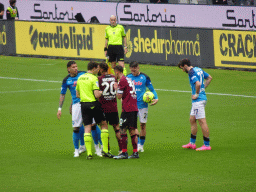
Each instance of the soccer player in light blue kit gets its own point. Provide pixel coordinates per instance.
(69, 82)
(198, 85)
(141, 82)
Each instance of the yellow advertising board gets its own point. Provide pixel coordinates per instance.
(60, 39)
(236, 49)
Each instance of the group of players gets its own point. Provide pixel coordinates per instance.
(94, 102)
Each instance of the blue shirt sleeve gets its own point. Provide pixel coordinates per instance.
(193, 78)
(64, 87)
(206, 75)
(150, 87)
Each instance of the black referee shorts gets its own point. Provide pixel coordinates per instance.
(112, 118)
(115, 53)
(92, 110)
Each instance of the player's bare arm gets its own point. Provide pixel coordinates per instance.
(70, 108)
(198, 85)
(106, 46)
(62, 98)
(119, 96)
(207, 81)
(77, 94)
(154, 102)
(97, 93)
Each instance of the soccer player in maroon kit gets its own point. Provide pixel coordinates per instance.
(126, 92)
(108, 99)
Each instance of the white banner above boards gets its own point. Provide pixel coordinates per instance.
(64, 11)
(195, 16)
(185, 16)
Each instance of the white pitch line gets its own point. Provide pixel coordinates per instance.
(30, 79)
(232, 95)
(21, 91)
(47, 64)
(39, 80)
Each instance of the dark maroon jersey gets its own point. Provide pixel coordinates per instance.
(129, 98)
(108, 98)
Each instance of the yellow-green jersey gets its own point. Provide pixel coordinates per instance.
(86, 84)
(115, 35)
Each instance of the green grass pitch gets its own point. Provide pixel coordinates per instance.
(37, 150)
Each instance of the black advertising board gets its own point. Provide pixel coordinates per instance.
(167, 46)
(7, 38)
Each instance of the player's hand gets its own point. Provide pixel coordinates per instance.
(154, 102)
(115, 85)
(59, 114)
(194, 96)
(125, 50)
(105, 53)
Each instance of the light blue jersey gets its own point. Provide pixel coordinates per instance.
(141, 82)
(197, 74)
(70, 82)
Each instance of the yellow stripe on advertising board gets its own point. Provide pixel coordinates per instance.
(60, 39)
(236, 49)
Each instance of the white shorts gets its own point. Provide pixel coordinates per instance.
(198, 109)
(143, 115)
(77, 119)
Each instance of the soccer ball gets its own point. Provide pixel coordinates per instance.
(148, 97)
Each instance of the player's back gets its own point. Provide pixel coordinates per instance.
(141, 82)
(129, 97)
(198, 74)
(108, 98)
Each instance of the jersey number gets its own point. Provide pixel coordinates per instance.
(131, 84)
(109, 88)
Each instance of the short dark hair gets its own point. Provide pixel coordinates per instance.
(184, 62)
(104, 66)
(12, 2)
(70, 63)
(119, 68)
(91, 65)
(134, 64)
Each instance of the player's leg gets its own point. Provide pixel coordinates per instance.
(112, 58)
(88, 140)
(193, 125)
(132, 119)
(118, 135)
(81, 139)
(76, 141)
(78, 113)
(76, 123)
(120, 58)
(143, 116)
(96, 139)
(113, 119)
(203, 124)
(123, 127)
(133, 135)
(87, 120)
(100, 119)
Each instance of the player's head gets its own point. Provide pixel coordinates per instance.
(12, 2)
(113, 20)
(118, 71)
(134, 68)
(93, 67)
(72, 68)
(185, 65)
(103, 68)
